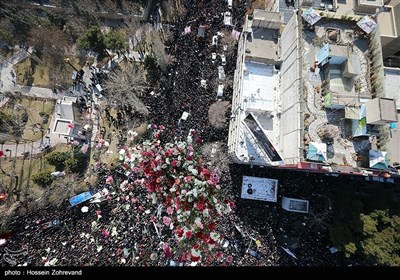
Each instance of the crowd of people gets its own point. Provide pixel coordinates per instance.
(114, 232)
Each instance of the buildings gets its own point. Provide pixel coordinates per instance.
(65, 123)
(315, 84)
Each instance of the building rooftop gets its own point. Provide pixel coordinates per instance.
(66, 111)
(62, 127)
(262, 44)
(260, 100)
(335, 94)
(386, 23)
(392, 84)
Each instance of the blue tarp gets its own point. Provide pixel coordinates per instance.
(323, 55)
(317, 151)
(80, 198)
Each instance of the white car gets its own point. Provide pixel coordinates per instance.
(220, 91)
(215, 40)
(228, 18)
(213, 56)
(58, 174)
(223, 60)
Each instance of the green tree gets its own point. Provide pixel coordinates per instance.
(381, 243)
(75, 165)
(43, 179)
(93, 39)
(57, 159)
(115, 40)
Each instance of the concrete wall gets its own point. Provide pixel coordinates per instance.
(291, 91)
(234, 124)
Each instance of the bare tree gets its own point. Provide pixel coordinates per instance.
(216, 154)
(124, 85)
(49, 39)
(229, 41)
(216, 114)
(163, 59)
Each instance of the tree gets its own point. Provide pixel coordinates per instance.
(43, 179)
(163, 59)
(57, 159)
(230, 42)
(93, 39)
(115, 40)
(123, 86)
(48, 39)
(217, 114)
(75, 164)
(381, 242)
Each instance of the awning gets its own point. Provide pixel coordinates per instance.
(378, 159)
(317, 151)
(367, 24)
(311, 16)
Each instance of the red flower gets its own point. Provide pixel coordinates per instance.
(211, 226)
(188, 234)
(194, 259)
(199, 235)
(196, 246)
(200, 206)
(229, 258)
(179, 232)
(105, 233)
(174, 163)
(1, 153)
(167, 251)
(166, 221)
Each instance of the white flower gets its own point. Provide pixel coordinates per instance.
(99, 248)
(195, 253)
(194, 172)
(153, 256)
(153, 198)
(214, 236)
(123, 261)
(48, 250)
(195, 192)
(147, 211)
(122, 151)
(114, 231)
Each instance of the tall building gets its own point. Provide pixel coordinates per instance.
(309, 93)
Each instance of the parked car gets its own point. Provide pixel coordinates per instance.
(215, 40)
(223, 60)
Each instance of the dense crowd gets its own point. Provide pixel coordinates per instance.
(114, 231)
